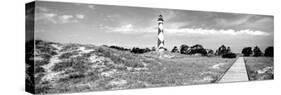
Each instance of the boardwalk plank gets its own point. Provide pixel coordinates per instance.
(236, 73)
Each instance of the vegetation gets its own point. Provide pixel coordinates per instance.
(74, 67)
(210, 52)
(140, 50)
(175, 49)
(221, 50)
(184, 49)
(269, 52)
(247, 51)
(259, 68)
(195, 49)
(119, 48)
(257, 52)
(61, 68)
(229, 55)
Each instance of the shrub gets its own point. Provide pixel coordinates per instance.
(201, 51)
(269, 52)
(184, 49)
(257, 52)
(223, 50)
(119, 48)
(229, 55)
(175, 49)
(137, 50)
(247, 51)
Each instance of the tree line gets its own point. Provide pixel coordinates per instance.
(256, 51)
(224, 51)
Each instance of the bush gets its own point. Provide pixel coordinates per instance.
(229, 55)
(269, 52)
(137, 50)
(184, 49)
(247, 51)
(201, 51)
(223, 50)
(197, 49)
(257, 52)
(119, 48)
(175, 49)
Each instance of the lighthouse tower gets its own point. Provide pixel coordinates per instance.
(160, 42)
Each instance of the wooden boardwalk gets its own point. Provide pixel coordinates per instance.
(236, 73)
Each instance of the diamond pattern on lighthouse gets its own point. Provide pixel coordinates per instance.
(160, 43)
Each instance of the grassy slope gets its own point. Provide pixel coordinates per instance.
(74, 67)
(259, 68)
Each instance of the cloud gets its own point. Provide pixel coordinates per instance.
(50, 15)
(125, 28)
(55, 17)
(131, 29)
(66, 19)
(80, 16)
(201, 31)
(58, 19)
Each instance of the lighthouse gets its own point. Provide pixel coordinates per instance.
(160, 42)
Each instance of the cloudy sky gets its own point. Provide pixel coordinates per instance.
(135, 26)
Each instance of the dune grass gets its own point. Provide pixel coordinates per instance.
(259, 68)
(72, 68)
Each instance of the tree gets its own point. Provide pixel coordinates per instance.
(257, 51)
(175, 49)
(184, 49)
(222, 50)
(197, 49)
(247, 51)
(269, 52)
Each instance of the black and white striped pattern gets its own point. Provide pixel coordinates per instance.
(160, 43)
